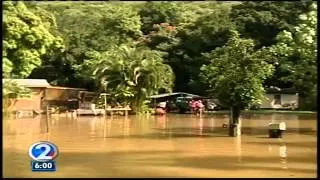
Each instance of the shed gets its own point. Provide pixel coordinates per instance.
(42, 94)
(280, 98)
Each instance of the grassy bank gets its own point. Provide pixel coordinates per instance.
(264, 112)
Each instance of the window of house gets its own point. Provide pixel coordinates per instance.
(277, 99)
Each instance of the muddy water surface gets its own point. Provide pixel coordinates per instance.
(168, 146)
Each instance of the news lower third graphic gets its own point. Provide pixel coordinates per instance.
(43, 154)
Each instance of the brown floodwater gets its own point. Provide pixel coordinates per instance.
(164, 146)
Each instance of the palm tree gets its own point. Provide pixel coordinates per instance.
(139, 72)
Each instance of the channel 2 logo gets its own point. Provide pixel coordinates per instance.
(43, 154)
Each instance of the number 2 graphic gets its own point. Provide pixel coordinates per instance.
(44, 154)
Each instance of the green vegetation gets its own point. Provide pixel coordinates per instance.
(296, 57)
(130, 74)
(235, 76)
(231, 51)
(27, 38)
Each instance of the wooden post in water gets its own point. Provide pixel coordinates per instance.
(47, 117)
(126, 113)
(105, 102)
(104, 127)
(200, 125)
(230, 120)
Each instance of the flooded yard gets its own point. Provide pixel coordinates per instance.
(164, 146)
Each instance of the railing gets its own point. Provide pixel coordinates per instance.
(125, 109)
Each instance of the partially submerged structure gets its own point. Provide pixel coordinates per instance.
(175, 101)
(43, 94)
(171, 96)
(276, 98)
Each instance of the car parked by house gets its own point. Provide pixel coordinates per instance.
(183, 104)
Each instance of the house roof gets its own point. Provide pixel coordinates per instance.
(34, 83)
(60, 87)
(172, 94)
(163, 95)
(30, 82)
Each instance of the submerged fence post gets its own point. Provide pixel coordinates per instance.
(47, 118)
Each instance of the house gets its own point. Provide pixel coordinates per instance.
(276, 98)
(44, 94)
(63, 96)
(35, 101)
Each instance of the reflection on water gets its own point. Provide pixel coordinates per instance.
(164, 146)
(238, 148)
(283, 155)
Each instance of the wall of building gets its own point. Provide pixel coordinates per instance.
(36, 102)
(269, 101)
(61, 94)
(31, 103)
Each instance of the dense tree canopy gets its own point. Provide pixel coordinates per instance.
(26, 40)
(263, 20)
(199, 28)
(159, 12)
(236, 72)
(168, 41)
(87, 27)
(296, 56)
(130, 73)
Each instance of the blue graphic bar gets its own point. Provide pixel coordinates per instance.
(43, 166)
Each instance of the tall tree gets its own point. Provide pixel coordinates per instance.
(198, 28)
(235, 76)
(26, 40)
(85, 27)
(208, 32)
(296, 56)
(263, 20)
(159, 12)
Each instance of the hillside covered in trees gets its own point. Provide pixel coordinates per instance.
(136, 49)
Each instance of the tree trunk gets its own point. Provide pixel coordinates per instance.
(234, 123)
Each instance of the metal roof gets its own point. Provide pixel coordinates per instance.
(172, 94)
(163, 95)
(60, 87)
(276, 90)
(30, 82)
